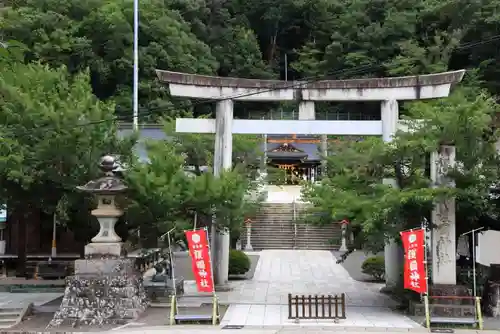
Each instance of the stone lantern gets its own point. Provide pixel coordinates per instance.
(106, 188)
(107, 288)
(343, 226)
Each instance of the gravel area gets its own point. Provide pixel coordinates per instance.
(353, 265)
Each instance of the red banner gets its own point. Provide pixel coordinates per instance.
(200, 259)
(414, 269)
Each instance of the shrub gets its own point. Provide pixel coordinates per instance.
(239, 262)
(374, 266)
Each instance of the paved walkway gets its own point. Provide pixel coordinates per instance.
(190, 329)
(263, 300)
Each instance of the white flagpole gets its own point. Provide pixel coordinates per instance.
(136, 67)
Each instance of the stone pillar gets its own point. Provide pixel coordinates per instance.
(223, 157)
(443, 217)
(306, 110)
(392, 252)
(390, 118)
(324, 152)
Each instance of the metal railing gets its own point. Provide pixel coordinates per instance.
(294, 235)
(294, 219)
(147, 258)
(332, 115)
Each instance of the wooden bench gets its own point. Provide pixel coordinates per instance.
(176, 317)
(155, 290)
(475, 319)
(453, 321)
(30, 269)
(53, 270)
(49, 270)
(192, 317)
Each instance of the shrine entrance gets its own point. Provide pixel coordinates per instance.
(295, 162)
(225, 91)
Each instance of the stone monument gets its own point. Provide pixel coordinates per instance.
(106, 287)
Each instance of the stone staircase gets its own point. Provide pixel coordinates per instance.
(279, 226)
(10, 317)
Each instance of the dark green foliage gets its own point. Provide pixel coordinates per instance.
(239, 262)
(353, 189)
(374, 266)
(339, 39)
(250, 39)
(163, 194)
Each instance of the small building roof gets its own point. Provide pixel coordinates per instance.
(306, 151)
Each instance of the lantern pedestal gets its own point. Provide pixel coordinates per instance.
(106, 287)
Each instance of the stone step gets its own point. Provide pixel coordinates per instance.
(9, 317)
(281, 226)
(290, 235)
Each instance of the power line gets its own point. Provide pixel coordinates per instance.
(294, 84)
(351, 71)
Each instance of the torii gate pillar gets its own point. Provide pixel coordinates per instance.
(393, 255)
(220, 240)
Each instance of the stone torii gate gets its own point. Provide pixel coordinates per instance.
(226, 90)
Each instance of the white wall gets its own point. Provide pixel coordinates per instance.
(486, 247)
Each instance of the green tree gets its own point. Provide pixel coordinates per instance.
(178, 182)
(53, 133)
(353, 187)
(98, 35)
(11, 51)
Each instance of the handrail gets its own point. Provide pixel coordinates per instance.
(294, 224)
(145, 259)
(294, 235)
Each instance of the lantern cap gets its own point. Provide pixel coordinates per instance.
(109, 184)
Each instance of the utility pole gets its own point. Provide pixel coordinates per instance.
(136, 67)
(286, 67)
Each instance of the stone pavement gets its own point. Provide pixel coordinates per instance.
(19, 300)
(190, 329)
(263, 300)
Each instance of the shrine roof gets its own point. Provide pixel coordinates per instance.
(306, 151)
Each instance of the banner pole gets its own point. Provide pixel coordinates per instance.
(424, 228)
(172, 267)
(211, 262)
(215, 305)
(426, 297)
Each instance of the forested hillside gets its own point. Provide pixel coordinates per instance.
(252, 38)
